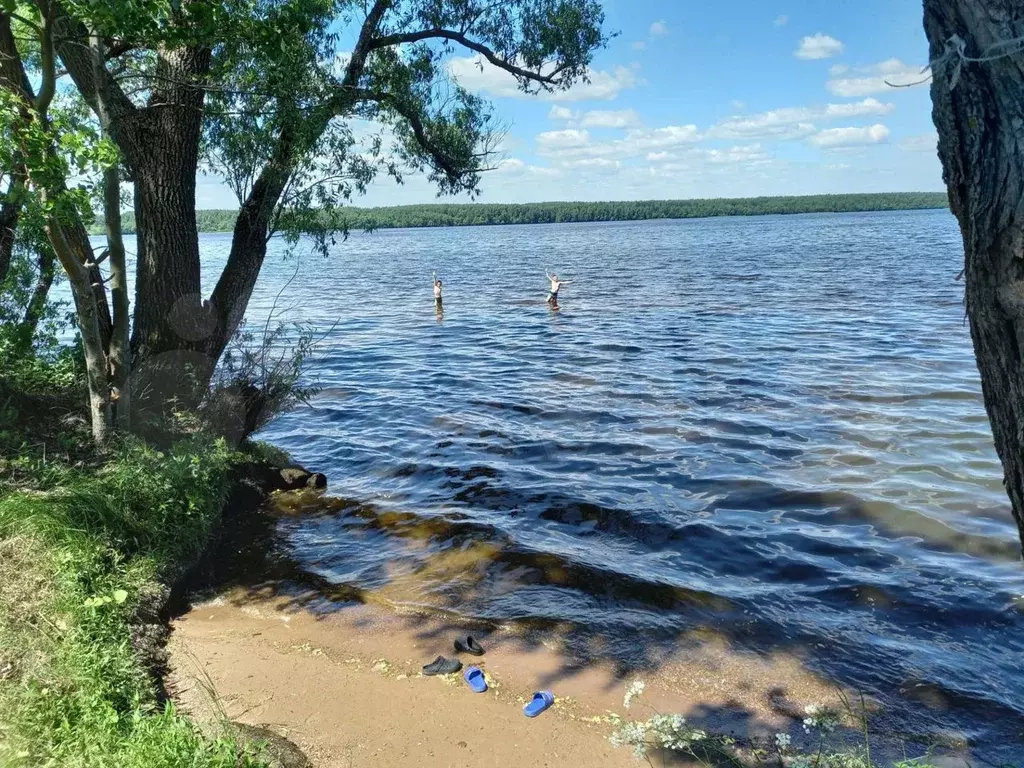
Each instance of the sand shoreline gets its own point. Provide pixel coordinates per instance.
(346, 687)
(337, 670)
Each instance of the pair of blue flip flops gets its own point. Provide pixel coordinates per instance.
(541, 700)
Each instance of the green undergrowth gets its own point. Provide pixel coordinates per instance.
(83, 544)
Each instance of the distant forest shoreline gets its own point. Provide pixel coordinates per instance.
(478, 214)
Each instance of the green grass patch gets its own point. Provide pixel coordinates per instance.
(80, 550)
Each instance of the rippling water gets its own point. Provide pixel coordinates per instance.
(768, 426)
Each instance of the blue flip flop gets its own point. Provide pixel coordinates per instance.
(541, 700)
(475, 677)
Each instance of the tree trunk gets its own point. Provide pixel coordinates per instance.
(44, 280)
(10, 211)
(168, 292)
(117, 349)
(979, 113)
(117, 353)
(69, 239)
(72, 259)
(172, 323)
(249, 246)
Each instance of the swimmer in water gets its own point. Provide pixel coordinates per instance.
(556, 284)
(437, 292)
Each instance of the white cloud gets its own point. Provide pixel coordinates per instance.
(838, 69)
(623, 118)
(781, 21)
(793, 122)
(561, 113)
(737, 105)
(669, 136)
(477, 74)
(696, 160)
(878, 78)
(838, 166)
(818, 46)
(572, 145)
(565, 139)
(925, 142)
(592, 162)
(639, 45)
(658, 29)
(739, 154)
(510, 165)
(834, 138)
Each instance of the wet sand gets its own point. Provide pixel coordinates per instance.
(346, 687)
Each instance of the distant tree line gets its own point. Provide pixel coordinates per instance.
(475, 214)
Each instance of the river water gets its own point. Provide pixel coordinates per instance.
(770, 427)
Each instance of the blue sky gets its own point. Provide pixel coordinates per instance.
(714, 99)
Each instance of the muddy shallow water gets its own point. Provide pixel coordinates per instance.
(769, 428)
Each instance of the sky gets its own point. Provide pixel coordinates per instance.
(731, 98)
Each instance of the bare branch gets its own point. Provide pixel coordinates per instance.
(548, 80)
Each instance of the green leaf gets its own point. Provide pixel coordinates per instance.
(120, 596)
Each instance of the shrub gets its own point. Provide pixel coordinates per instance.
(259, 377)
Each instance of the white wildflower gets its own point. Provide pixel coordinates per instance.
(632, 735)
(782, 741)
(819, 717)
(636, 688)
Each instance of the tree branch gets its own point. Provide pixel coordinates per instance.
(91, 77)
(48, 87)
(443, 161)
(488, 53)
(119, 49)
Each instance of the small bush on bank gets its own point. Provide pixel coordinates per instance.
(259, 378)
(76, 562)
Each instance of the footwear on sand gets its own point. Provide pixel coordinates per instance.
(469, 645)
(475, 679)
(442, 666)
(541, 700)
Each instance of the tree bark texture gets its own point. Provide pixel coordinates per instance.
(978, 110)
(169, 312)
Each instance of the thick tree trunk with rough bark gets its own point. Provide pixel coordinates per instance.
(978, 109)
(169, 313)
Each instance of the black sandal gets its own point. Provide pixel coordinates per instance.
(442, 666)
(470, 646)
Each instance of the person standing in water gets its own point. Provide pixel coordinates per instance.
(437, 292)
(556, 284)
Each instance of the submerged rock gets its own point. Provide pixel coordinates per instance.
(297, 477)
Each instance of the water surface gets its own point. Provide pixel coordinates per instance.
(771, 427)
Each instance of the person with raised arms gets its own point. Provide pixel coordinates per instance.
(556, 285)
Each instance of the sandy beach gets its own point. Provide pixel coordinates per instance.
(346, 687)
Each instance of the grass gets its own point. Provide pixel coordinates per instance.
(82, 547)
